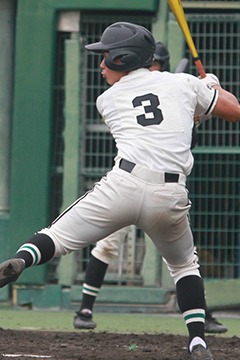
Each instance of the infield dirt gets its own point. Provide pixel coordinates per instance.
(28, 344)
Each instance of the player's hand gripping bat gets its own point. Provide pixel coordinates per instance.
(177, 9)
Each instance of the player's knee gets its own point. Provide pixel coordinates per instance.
(105, 254)
(185, 269)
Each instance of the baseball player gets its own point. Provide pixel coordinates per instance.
(107, 249)
(150, 115)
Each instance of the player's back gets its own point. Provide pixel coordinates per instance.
(150, 115)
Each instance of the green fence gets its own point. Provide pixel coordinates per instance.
(213, 184)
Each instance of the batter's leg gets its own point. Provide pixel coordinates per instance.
(191, 302)
(102, 254)
(95, 274)
(183, 265)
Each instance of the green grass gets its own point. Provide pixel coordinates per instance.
(62, 320)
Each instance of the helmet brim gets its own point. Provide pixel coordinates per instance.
(97, 47)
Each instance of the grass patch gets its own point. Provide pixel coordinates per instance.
(62, 320)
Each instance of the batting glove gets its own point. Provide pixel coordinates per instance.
(210, 80)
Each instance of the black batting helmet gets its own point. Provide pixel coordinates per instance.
(133, 44)
(162, 56)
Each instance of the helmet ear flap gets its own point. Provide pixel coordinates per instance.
(126, 60)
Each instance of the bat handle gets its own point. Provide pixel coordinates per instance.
(200, 67)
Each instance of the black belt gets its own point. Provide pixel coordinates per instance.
(128, 166)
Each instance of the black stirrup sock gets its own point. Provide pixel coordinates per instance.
(37, 250)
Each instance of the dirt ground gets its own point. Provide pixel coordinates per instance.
(26, 345)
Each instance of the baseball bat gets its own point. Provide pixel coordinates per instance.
(182, 66)
(177, 9)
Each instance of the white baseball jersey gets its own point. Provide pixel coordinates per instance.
(150, 115)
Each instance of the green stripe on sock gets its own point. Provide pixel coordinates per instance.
(90, 290)
(25, 247)
(195, 315)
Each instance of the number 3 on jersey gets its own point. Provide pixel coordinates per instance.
(152, 114)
